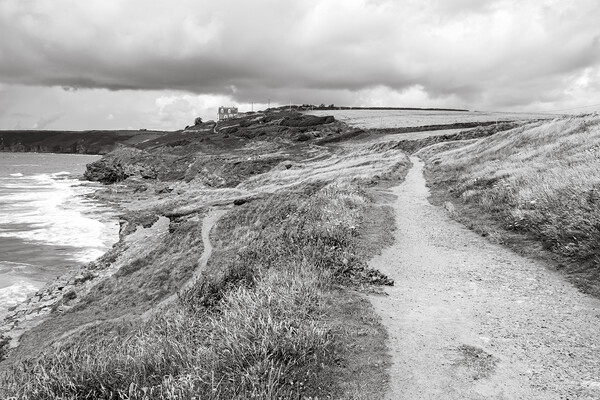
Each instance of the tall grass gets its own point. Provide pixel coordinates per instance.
(254, 326)
(260, 343)
(542, 179)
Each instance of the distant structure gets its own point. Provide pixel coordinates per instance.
(227, 112)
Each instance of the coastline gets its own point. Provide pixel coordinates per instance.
(58, 294)
(142, 227)
(147, 183)
(268, 178)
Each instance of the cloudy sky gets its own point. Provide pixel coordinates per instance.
(157, 64)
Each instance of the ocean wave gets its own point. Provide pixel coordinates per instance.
(60, 174)
(47, 224)
(50, 208)
(11, 266)
(60, 228)
(14, 294)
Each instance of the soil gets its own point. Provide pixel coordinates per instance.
(469, 319)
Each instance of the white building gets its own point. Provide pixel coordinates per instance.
(227, 112)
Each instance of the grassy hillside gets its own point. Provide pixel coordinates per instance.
(537, 184)
(260, 323)
(432, 119)
(275, 314)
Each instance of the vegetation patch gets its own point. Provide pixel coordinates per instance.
(148, 278)
(483, 130)
(301, 120)
(474, 362)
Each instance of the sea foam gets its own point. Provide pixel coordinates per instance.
(52, 210)
(47, 223)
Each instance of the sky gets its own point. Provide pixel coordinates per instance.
(158, 64)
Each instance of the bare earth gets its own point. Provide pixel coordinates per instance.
(468, 319)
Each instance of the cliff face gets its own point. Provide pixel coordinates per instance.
(82, 142)
(123, 163)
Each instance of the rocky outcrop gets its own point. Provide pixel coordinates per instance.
(209, 155)
(219, 171)
(121, 164)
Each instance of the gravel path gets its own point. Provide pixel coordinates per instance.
(468, 319)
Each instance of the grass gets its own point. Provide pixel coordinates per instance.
(263, 322)
(390, 119)
(262, 343)
(541, 181)
(142, 270)
(144, 278)
(414, 145)
(360, 164)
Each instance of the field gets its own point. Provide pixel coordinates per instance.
(386, 119)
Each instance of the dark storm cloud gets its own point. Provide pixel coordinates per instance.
(299, 51)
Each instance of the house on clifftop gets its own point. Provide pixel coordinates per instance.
(227, 112)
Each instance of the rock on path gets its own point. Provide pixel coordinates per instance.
(468, 319)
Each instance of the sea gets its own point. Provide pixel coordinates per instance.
(48, 222)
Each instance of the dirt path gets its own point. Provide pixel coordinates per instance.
(207, 223)
(468, 319)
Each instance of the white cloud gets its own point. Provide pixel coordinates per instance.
(453, 53)
(175, 109)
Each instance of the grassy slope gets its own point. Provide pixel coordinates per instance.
(266, 323)
(274, 314)
(535, 187)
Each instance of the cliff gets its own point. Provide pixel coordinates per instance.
(221, 155)
(76, 142)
